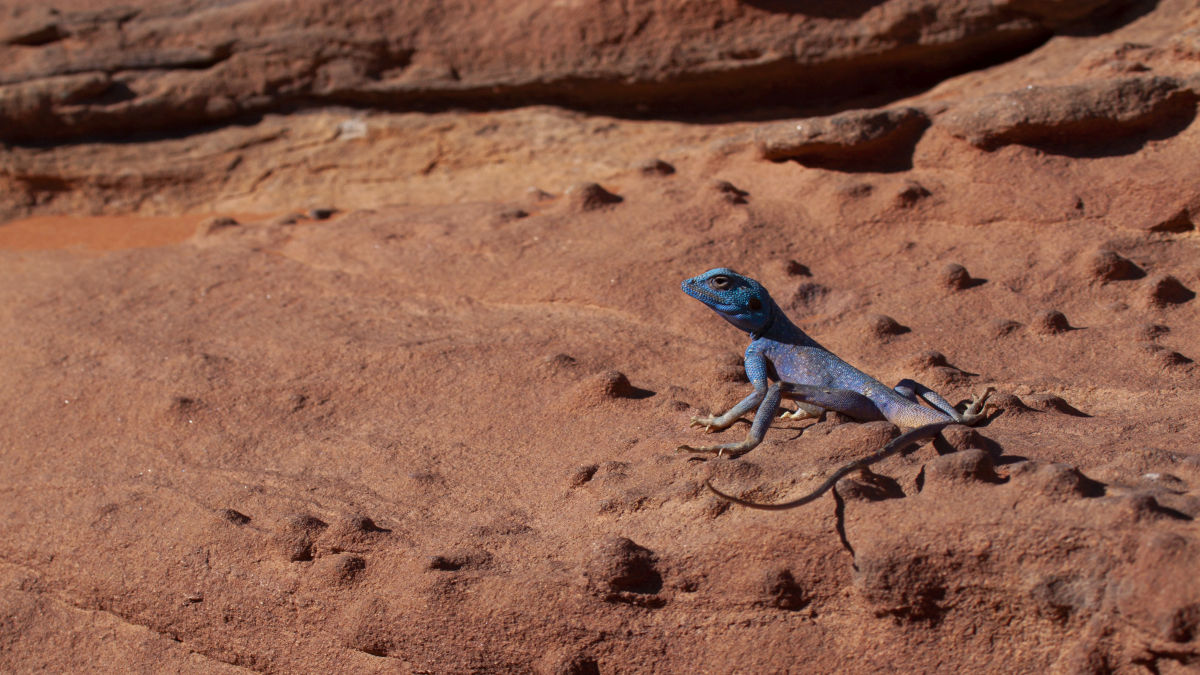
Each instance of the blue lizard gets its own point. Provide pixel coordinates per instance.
(813, 376)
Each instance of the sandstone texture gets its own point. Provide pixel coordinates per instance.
(348, 337)
(75, 69)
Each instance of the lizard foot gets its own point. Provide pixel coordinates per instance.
(975, 411)
(800, 414)
(710, 424)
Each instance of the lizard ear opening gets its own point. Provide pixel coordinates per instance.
(755, 304)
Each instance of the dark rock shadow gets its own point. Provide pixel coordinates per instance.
(825, 9)
(638, 393)
(839, 512)
(1107, 22)
(1004, 460)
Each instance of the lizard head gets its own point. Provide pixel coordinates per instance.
(739, 300)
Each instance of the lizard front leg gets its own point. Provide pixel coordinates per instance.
(804, 411)
(762, 420)
(724, 421)
(756, 371)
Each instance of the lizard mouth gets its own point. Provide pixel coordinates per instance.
(702, 294)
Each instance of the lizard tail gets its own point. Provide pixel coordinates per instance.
(899, 443)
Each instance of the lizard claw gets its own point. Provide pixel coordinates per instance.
(705, 422)
(975, 410)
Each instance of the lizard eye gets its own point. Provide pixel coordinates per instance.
(755, 304)
(719, 282)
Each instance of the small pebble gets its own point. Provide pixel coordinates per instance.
(968, 466)
(600, 388)
(235, 517)
(655, 167)
(1165, 289)
(807, 294)
(868, 487)
(590, 197)
(536, 194)
(1166, 357)
(955, 276)
(511, 214)
(1002, 327)
(1107, 265)
(1050, 322)
(795, 269)
(567, 663)
(582, 475)
(559, 362)
(340, 568)
(961, 438)
(1142, 507)
(1057, 480)
(855, 190)
(1179, 220)
(210, 226)
(294, 536)
(779, 589)
(612, 471)
(615, 384)
(617, 564)
(347, 532)
(911, 193)
(881, 325)
(731, 193)
(1050, 403)
(1008, 403)
(929, 358)
(1152, 331)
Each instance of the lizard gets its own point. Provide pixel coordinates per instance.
(782, 361)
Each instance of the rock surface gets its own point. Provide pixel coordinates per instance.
(394, 386)
(77, 70)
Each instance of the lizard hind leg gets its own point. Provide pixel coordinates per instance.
(913, 390)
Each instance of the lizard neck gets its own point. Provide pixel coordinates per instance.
(780, 328)
(771, 318)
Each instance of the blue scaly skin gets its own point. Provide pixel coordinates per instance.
(813, 376)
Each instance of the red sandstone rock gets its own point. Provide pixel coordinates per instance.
(426, 432)
(174, 66)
